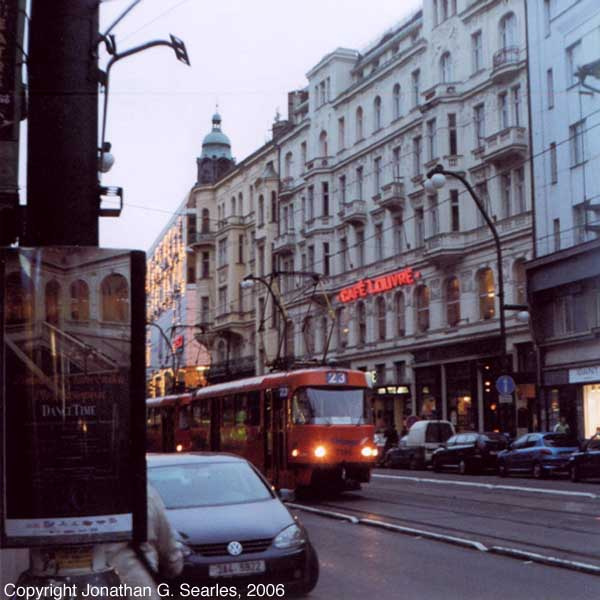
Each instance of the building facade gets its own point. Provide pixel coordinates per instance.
(564, 277)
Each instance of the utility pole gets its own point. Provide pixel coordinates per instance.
(62, 179)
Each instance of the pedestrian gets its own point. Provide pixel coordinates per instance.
(157, 558)
(391, 438)
(562, 426)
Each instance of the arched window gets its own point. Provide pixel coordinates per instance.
(241, 203)
(205, 220)
(453, 301)
(446, 68)
(361, 323)
(19, 299)
(400, 313)
(288, 165)
(233, 206)
(396, 101)
(115, 298)
(359, 123)
(377, 114)
(520, 282)
(309, 335)
(508, 31)
(323, 143)
(80, 301)
(222, 351)
(487, 294)
(422, 308)
(261, 210)
(381, 315)
(52, 302)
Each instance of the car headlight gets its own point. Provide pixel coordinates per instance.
(291, 537)
(184, 548)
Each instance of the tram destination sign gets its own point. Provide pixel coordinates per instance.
(378, 285)
(72, 374)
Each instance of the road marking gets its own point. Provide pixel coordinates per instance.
(547, 560)
(489, 486)
(326, 513)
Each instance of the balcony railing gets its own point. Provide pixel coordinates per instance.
(509, 142)
(285, 242)
(353, 211)
(392, 196)
(201, 238)
(505, 62)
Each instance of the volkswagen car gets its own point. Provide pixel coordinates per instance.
(232, 526)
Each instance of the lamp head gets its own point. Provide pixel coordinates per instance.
(247, 283)
(523, 316)
(438, 180)
(429, 187)
(106, 158)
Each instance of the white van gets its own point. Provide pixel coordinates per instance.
(424, 437)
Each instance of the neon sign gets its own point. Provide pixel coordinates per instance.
(367, 287)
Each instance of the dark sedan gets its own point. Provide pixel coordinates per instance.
(586, 464)
(469, 452)
(232, 526)
(400, 456)
(538, 454)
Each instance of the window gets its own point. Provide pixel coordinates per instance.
(361, 322)
(241, 249)
(556, 233)
(452, 301)
(273, 207)
(419, 228)
(396, 162)
(434, 213)
(520, 282)
(311, 258)
(303, 155)
(191, 227)
(417, 158)
(205, 265)
(206, 220)
(503, 120)
(191, 274)
(377, 175)
(398, 235)
(422, 308)
(516, 103)
(431, 140)
(326, 268)
(341, 328)
(379, 241)
(261, 261)
(550, 88)
(287, 170)
(400, 313)
(482, 192)
(579, 223)
(479, 123)
(360, 247)
(446, 68)
(547, 17)
(381, 316)
(80, 301)
(573, 60)
(325, 198)
(115, 298)
(377, 114)
(261, 210)
(359, 183)
(342, 183)
(553, 164)
(506, 189)
(577, 148)
(343, 254)
(311, 203)
(323, 144)
(309, 335)
(452, 139)
(416, 91)
(454, 211)
(397, 101)
(341, 133)
(359, 124)
(400, 371)
(487, 294)
(205, 309)
(508, 31)
(519, 190)
(222, 252)
(476, 52)
(233, 206)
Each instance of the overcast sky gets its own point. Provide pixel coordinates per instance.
(245, 55)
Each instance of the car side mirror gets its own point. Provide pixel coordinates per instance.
(286, 495)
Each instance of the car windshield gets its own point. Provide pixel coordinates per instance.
(560, 441)
(327, 406)
(206, 484)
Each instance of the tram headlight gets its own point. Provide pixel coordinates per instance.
(179, 448)
(320, 451)
(368, 451)
(295, 452)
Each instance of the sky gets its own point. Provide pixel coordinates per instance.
(245, 56)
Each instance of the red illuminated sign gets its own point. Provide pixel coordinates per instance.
(178, 343)
(367, 287)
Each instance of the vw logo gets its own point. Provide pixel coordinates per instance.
(234, 548)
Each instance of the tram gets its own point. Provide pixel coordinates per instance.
(301, 428)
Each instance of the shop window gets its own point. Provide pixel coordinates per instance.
(52, 302)
(19, 303)
(115, 298)
(487, 294)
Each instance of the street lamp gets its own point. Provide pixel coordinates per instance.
(436, 178)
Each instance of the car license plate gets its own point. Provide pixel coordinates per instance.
(237, 568)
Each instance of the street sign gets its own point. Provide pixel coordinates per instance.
(505, 384)
(505, 398)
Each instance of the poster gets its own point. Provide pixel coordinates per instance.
(73, 395)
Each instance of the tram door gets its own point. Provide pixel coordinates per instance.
(168, 429)
(274, 436)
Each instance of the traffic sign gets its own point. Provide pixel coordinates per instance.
(505, 384)
(505, 398)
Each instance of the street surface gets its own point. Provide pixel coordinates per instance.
(359, 561)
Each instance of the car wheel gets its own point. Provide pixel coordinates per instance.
(311, 576)
(502, 470)
(538, 471)
(574, 473)
(462, 467)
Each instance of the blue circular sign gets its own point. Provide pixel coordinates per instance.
(505, 384)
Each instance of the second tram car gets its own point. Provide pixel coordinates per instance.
(309, 427)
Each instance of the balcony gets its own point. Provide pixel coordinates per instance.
(316, 225)
(233, 368)
(231, 221)
(510, 143)
(392, 196)
(289, 185)
(201, 238)
(320, 163)
(286, 242)
(444, 249)
(515, 223)
(437, 93)
(506, 63)
(354, 211)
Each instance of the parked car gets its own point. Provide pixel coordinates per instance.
(423, 438)
(586, 463)
(400, 456)
(232, 526)
(379, 441)
(538, 454)
(469, 452)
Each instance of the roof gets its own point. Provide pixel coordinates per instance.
(190, 458)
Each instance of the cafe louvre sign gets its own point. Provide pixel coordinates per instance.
(385, 283)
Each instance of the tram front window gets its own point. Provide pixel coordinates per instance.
(326, 406)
